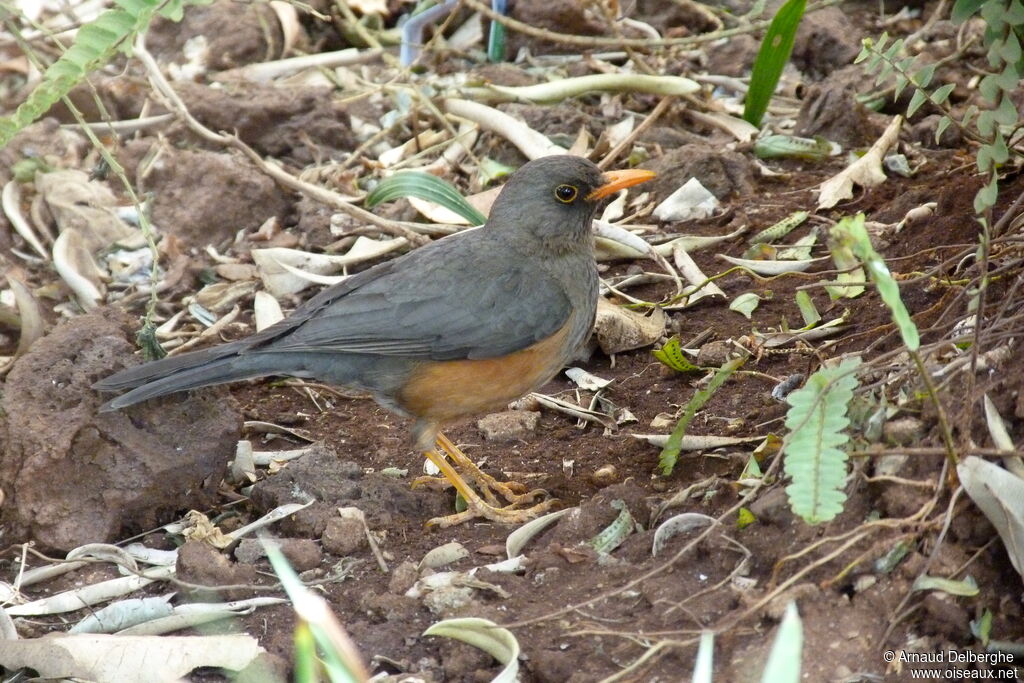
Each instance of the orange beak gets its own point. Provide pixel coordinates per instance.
(618, 180)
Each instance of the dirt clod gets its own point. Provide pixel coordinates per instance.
(343, 536)
(73, 476)
(202, 564)
(510, 425)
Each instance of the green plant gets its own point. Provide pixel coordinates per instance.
(424, 186)
(995, 129)
(771, 59)
(95, 44)
(813, 453)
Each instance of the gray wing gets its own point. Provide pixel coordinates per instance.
(455, 303)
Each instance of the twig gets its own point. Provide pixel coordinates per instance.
(618, 149)
(604, 41)
(320, 194)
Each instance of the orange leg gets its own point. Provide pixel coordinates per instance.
(489, 509)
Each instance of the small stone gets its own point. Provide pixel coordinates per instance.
(343, 536)
(903, 432)
(403, 578)
(510, 425)
(202, 564)
(715, 354)
(802, 591)
(250, 551)
(237, 271)
(604, 476)
(303, 553)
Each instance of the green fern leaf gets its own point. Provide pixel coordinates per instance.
(813, 456)
(95, 43)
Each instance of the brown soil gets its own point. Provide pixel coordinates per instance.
(578, 616)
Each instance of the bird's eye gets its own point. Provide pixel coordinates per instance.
(565, 193)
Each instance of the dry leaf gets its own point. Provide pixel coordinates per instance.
(127, 659)
(618, 329)
(866, 171)
(87, 206)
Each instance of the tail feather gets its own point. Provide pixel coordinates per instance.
(204, 368)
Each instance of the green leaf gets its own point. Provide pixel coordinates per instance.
(95, 43)
(484, 634)
(944, 123)
(670, 453)
(1006, 113)
(964, 10)
(812, 455)
(424, 186)
(987, 196)
(967, 588)
(807, 309)
(901, 83)
(850, 231)
(969, 115)
(744, 518)
(496, 42)
(924, 76)
(1010, 49)
(989, 87)
(942, 94)
(919, 97)
(671, 354)
(987, 123)
(1014, 13)
(1000, 154)
(745, 304)
(789, 146)
(779, 230)
(784, 659)
(771, 59)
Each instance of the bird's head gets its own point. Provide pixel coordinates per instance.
(554, 199)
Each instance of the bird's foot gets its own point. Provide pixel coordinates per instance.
(495, 493)
(478, 509)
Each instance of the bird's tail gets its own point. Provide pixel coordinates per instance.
(203, 368)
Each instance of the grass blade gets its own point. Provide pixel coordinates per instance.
(771, 59)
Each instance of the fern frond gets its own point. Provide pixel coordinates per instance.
(95, 44)
(813, 456)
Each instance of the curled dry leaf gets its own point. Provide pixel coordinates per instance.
(692, 273)
(698, 442)
(865, 171)
(73, 600)
(221, 297)
(531, 143)
(87, 206)
(124, 614)
(442, 555)
(518, 539)
(33, 326)
(127, 659)
(291, 28)
(486, 635)
(11, 201)
(585, 380)
(75, 265)
(998, 494)
(681, 523)
(266, 310)
(618, 329)
(692, 201)
(436, 213)
(1001, 437)
(278, 266)
(771, 268)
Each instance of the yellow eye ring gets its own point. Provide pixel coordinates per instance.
(566, 193)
